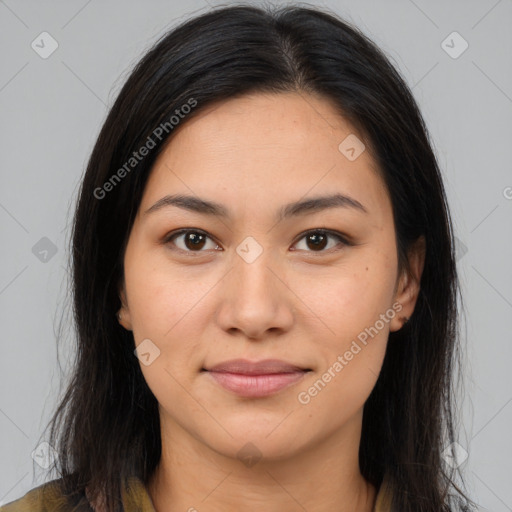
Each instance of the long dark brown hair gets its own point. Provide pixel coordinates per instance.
(106, 427)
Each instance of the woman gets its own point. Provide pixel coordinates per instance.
(264, 283)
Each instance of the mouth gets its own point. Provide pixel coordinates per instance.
(256, 379)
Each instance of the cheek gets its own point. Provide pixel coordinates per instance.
(348, 300)
(167, 308)
(160, 301)
(354, 309)
(349, 363)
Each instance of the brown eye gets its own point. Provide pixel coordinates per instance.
(190, 240)
(194, 240)
(317, 240)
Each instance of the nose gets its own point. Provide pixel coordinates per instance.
(256, 301)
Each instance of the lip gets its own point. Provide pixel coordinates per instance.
(256, 379)
(263, 367)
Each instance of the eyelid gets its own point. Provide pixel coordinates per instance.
(343, 239)
(173, 234)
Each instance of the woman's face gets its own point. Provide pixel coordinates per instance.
(261, 282)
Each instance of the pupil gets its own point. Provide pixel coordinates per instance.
(195, 239)
(315, 240)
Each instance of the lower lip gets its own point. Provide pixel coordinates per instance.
(254, 386)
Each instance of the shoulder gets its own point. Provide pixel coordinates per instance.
(384, 496)
(47, 498)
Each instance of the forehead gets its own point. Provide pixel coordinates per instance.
(266, 120)
(266, 149)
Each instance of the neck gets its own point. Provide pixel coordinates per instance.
(322, 477)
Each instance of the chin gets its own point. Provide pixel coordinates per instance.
(255, 443)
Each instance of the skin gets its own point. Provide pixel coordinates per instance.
(304, 305)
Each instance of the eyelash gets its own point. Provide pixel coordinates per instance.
(323, 231)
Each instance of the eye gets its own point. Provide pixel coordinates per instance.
(193, 240)
(318, 239)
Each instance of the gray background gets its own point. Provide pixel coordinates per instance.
(52, 110)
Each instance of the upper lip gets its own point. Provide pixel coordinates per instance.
(264, 367)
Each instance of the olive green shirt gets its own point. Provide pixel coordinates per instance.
(135, 498)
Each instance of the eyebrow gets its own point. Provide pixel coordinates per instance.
(205, 207)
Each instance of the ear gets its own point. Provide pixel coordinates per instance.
(123, 315)
(408, 287)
